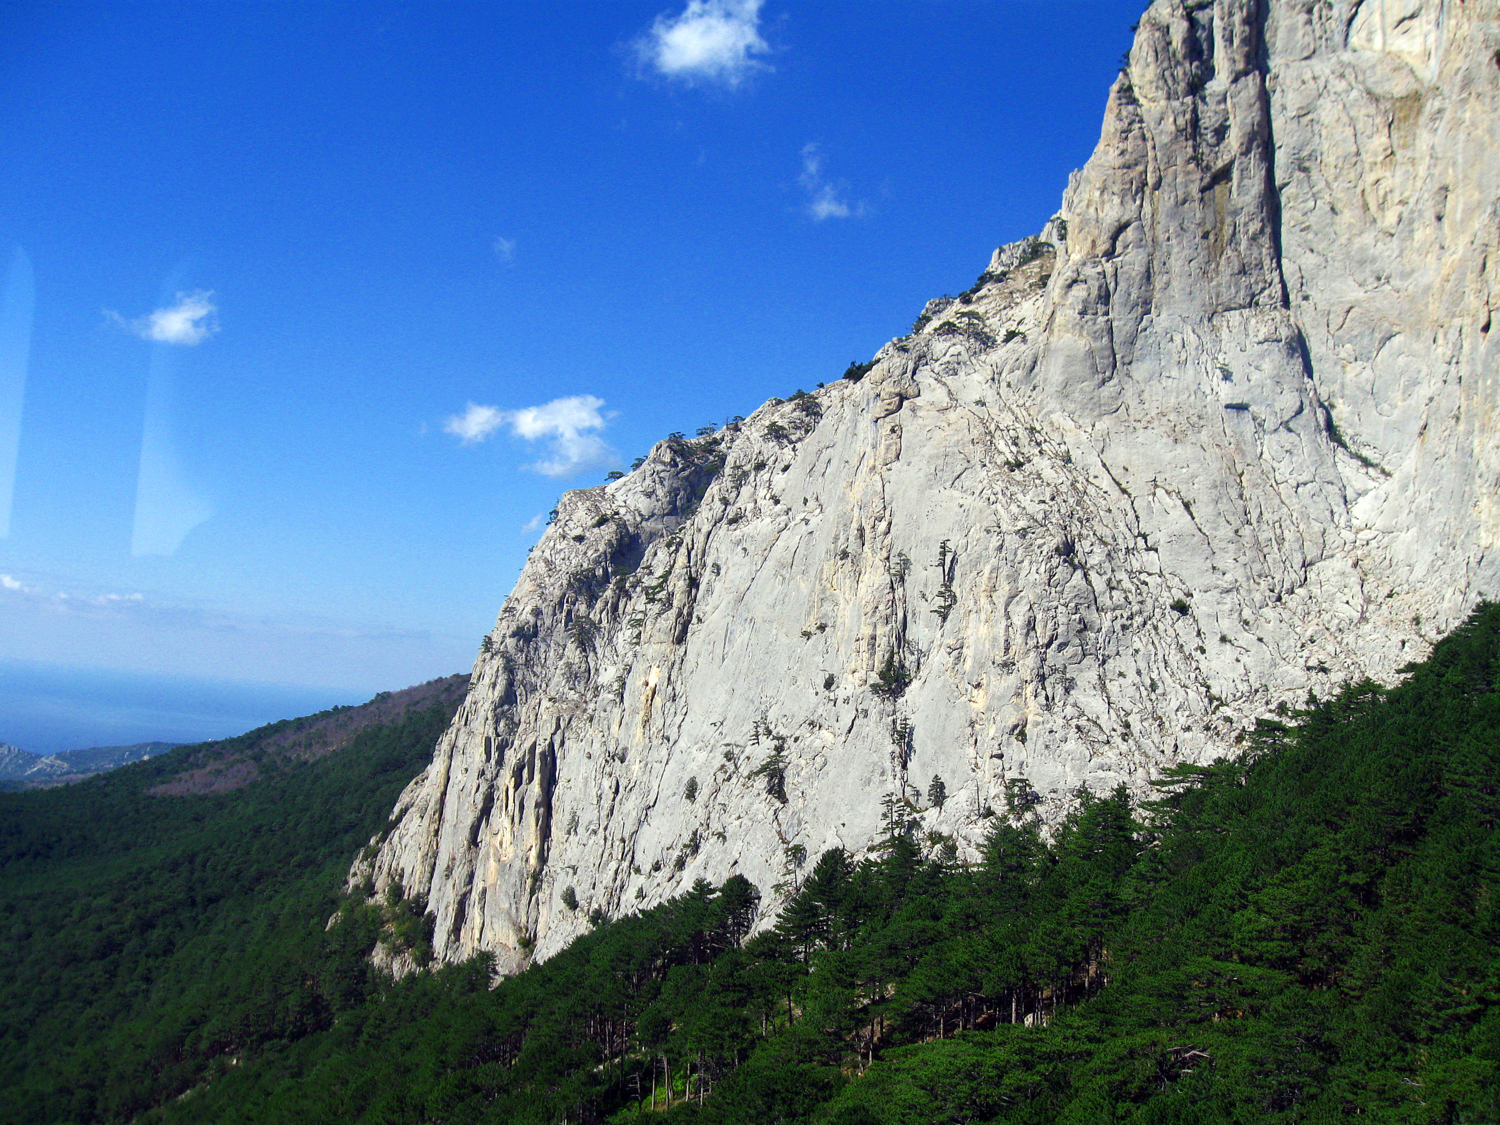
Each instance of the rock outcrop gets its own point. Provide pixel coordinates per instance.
(1223, 434)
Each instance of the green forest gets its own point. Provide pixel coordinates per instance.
(1307, 929)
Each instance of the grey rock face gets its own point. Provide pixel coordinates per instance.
(1222, 434)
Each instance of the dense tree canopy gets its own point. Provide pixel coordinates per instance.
(149, 942)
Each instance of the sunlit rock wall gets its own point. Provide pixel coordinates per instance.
(1224, 433)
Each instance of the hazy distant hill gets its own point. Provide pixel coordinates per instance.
(16, 763)
(23, 769)
(219, 766)
(232, 763)
(97, 759)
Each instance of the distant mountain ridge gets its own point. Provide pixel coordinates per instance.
(225, 764)
(15, 762)
(232, 763)
(96, 759)
(34, 770)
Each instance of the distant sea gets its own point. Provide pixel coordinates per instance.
(45, 708)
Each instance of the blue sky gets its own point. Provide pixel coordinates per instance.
(309, 311)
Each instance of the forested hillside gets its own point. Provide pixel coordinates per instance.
(1305, 931)
(147, 942)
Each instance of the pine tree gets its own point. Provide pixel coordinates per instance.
(937, 792)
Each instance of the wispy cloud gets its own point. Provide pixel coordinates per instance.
(193, 319)
(812, 164)
(58, 620)
(505, 248)
(534, 523)
(42, 592)
(570, 427)
(710, 41)
(825, 200)
(826, 204)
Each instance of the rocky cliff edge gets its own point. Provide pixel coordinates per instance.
(1223, 434)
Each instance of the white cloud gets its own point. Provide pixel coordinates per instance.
(534, 523)
(475, 424)
(569, 425)
(505, 249)
(825, 200)
(193, 319)
(812, 165)
(826, 204)
(710, 41)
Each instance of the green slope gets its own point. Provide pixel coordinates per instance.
(149, 942)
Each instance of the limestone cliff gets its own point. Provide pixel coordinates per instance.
(1222, 434)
